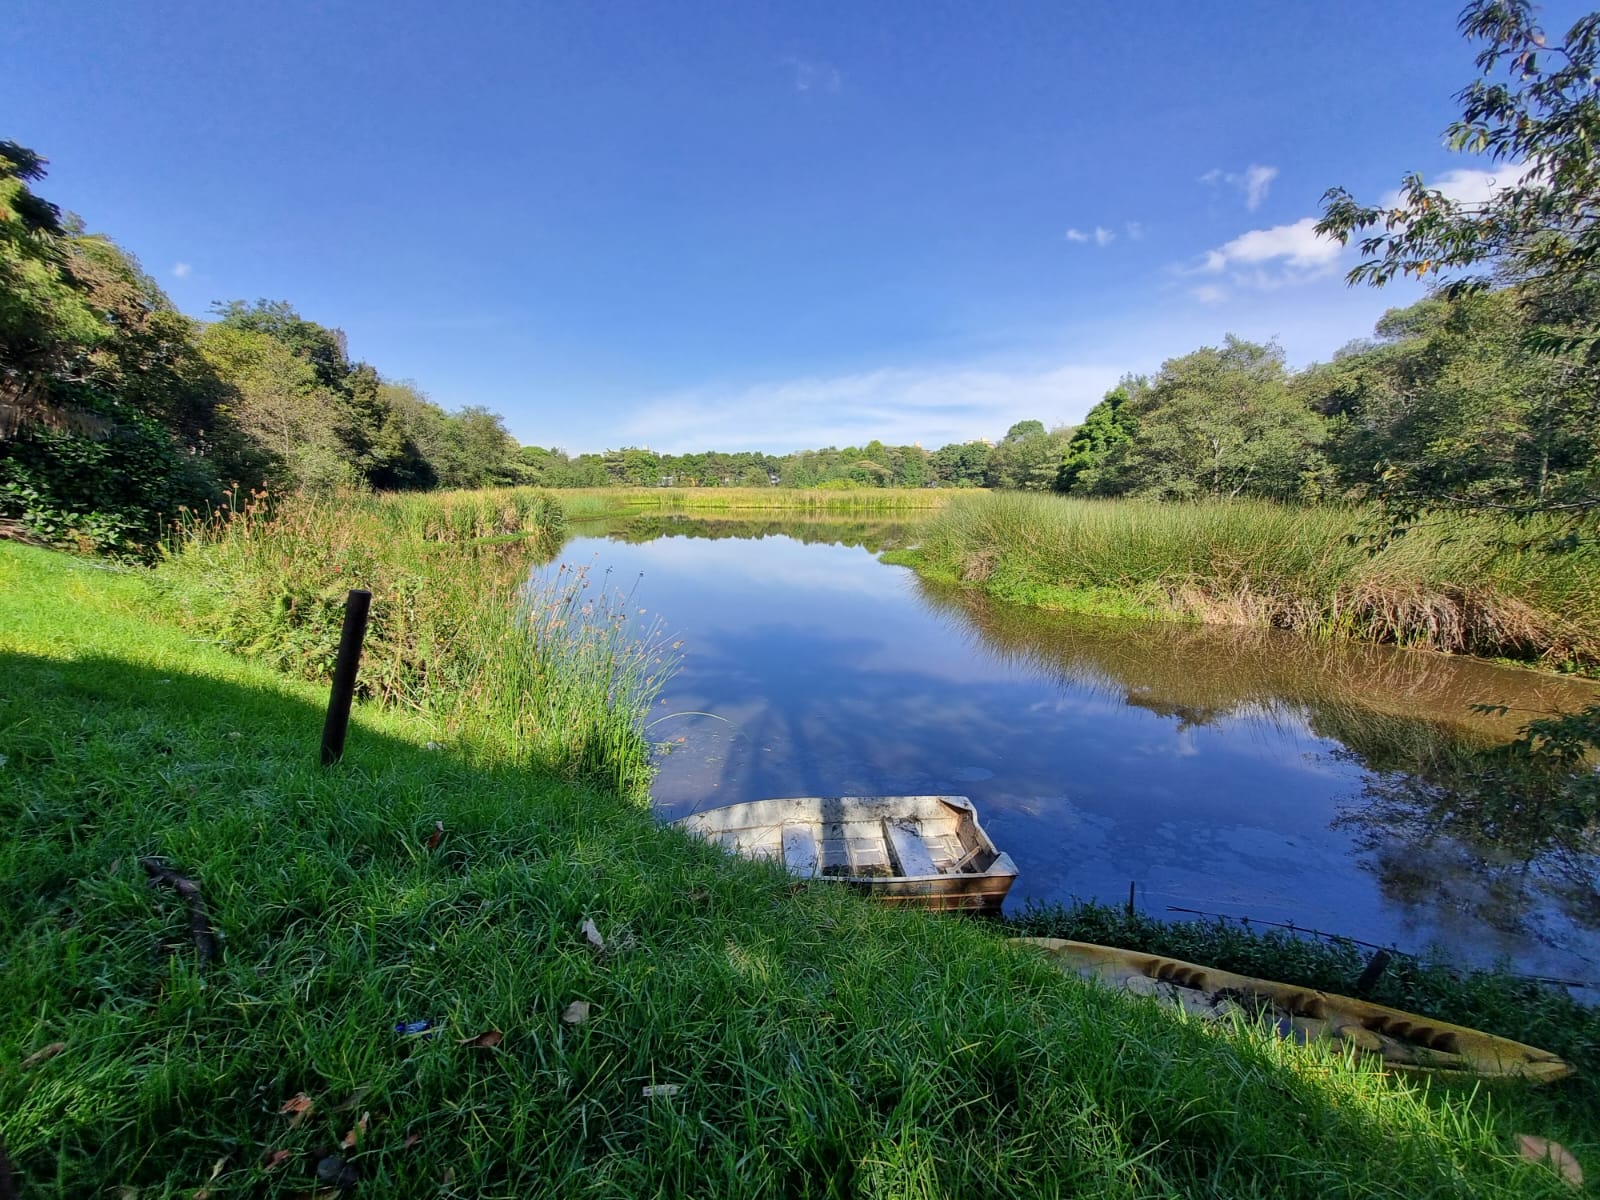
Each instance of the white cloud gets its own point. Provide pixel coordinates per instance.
(1467, 185)
(1099, 235)
(1253, 181)
(181, 270)
(1297, 247)
(812, 76)
(930, 405)
(1135, 231)
(1209, 293)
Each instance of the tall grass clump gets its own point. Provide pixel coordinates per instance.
(551, 674)
(1457, 582)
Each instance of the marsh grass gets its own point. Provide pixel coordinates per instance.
(820, 1046)
(557, 672)
(1461, 583)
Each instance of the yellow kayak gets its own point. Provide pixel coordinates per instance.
(1403, 1039)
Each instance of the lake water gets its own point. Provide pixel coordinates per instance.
(1235, 772)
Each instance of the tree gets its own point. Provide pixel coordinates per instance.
(961, 464)
(1026, 458)
(1024, 429)
(1535, 109)
(1217, 422)
(1106, 427)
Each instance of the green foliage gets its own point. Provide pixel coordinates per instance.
(1107, 426)
(1027, 458)
(1535, 108)
(1450, 404)
(1218, 422)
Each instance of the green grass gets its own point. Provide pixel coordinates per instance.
(821, 1046)
(1459, 583)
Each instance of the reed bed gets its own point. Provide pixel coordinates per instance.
(1462, 583)
(556, 673)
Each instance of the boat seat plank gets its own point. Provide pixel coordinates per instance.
(905, 843)
(799, 850)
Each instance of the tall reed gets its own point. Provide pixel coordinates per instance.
(554, 673)
(1454, 582)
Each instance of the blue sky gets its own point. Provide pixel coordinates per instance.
(748, 226)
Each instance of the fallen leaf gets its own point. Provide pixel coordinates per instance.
(591, 933)
(274, 1159)
(487, 1040)
(127, 1192)
(234, 735)
(437, 835)
(655, 1091)
(449, 1177)
(411, 1140)
(43, 1055)
(699, 896)
(1553, 1155)
(297, 1109)
(351, 1138)
(576, 1013)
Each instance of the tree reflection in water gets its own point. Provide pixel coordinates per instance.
(1461, 819)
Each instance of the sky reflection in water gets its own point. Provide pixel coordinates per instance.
(1208, 766)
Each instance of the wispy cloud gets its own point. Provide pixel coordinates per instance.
(898, 405)
(181, 270)
(1135, 231)
(1253, 182)
(813, 76)
(1099, 235)
(1209, 293)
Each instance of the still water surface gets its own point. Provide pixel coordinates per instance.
(1241, 773)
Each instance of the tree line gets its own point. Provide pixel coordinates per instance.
(118, 412)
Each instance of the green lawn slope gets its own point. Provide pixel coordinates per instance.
(797, 1044)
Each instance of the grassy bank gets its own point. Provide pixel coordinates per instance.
(1458, 583)
(589, 502)
(721, 1033)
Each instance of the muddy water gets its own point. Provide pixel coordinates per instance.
(1241, 773)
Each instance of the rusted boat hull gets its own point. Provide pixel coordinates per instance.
(1403, 1040)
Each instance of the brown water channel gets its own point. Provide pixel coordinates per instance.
(1236, 772)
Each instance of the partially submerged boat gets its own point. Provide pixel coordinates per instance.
(920, 851)
(1403, 1040)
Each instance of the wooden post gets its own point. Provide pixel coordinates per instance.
(344, 675)
(1375, 967)
(1131, 884)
